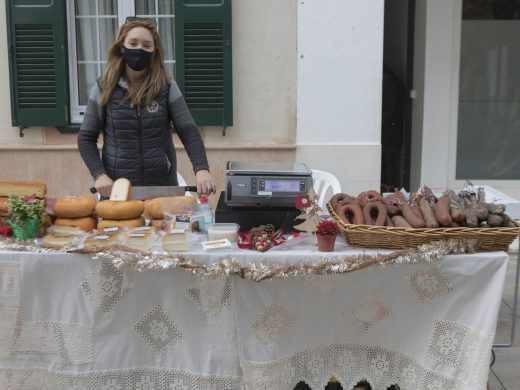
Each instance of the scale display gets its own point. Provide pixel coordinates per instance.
(282, 185)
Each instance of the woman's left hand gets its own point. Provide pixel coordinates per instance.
(205, 185)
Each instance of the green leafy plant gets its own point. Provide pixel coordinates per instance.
(23, 209)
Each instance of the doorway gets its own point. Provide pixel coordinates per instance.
(396, 103)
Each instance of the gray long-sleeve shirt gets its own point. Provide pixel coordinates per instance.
(95, 118)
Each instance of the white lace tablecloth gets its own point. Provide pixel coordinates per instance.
(68, 321)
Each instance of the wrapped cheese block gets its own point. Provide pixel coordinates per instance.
(120, 210)
(175, 241)
(22, 188)
(86, 223)
(75, 206)
(100, 241)
(59, 240)
(121, 190)
(105, 223)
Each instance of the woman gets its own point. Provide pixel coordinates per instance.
(135, 102)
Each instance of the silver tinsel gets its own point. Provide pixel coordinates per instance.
(121, 256)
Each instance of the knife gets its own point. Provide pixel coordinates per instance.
(149, 192)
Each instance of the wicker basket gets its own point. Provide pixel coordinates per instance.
(368, 236)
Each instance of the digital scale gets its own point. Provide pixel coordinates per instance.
(264, 184)
(260, 193)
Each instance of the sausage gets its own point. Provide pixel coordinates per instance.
(368, 196)
(442, 211)
(412, 218)
(374, 214)
(495, 220)
(456, 214)
(340, 199)
(351, 214)
(391, 208)
(399, 221)
(428, 215)
(388, 221)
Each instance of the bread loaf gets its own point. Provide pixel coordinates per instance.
(158, 207)
(3, 206)
(75, 206)
(105, 223)
(120, 210)
(121, 190)
(22, 188)
(86, 223)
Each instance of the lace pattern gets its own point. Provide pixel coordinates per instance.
(10, 306)
(129, 379)
(212, 295)
(460, 347)
(348, 363)
(273, 323)
(159, 330)
(367, 312)
(105, 286)
(429, 283)
(54, 342)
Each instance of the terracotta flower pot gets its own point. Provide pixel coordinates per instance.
(326, 242)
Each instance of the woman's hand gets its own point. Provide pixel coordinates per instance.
(205, 185)
(103, 185)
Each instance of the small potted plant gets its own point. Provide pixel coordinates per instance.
(25, 215)
(326, 232)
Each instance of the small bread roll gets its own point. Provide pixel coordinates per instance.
(105, 223)
(86, 223)
(120, 210)
(157, 207)
(75, 206)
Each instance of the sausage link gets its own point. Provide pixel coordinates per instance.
(351, 214)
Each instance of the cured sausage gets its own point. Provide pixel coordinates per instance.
(412, 218)
(351, 214)
(374, 214)
(341, 199)
(428, 214)
(368, 196)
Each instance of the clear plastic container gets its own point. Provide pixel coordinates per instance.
(218, 231)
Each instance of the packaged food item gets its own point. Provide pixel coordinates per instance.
(59, 240)
(175, 240)
(217, 244)
(99, 240)
(217, 231)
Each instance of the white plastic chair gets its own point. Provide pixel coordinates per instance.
(325, 185)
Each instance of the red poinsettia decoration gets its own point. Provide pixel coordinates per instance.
(327, 227)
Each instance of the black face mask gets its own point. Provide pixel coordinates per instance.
(136, 59)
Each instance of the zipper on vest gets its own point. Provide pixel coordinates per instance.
(140, 129)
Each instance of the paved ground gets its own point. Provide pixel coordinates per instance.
(505, 372)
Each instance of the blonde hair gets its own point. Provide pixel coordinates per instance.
(156, 76)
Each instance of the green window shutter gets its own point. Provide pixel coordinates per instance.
(38, 62)
(203, 59)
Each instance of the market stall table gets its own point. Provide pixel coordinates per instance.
(69, 321)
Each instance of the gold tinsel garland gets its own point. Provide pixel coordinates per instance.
(121, 256)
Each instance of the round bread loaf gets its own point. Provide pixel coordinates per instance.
(156, 208)
(75, 206)
(120, 210)
(85, 223)
(105, 223)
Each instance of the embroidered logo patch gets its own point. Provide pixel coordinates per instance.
(153, 107)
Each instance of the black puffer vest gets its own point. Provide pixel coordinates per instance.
(138, 142)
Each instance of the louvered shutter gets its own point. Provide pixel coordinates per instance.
(203, 59)
(37, 62)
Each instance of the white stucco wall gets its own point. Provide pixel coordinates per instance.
(340, 57)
